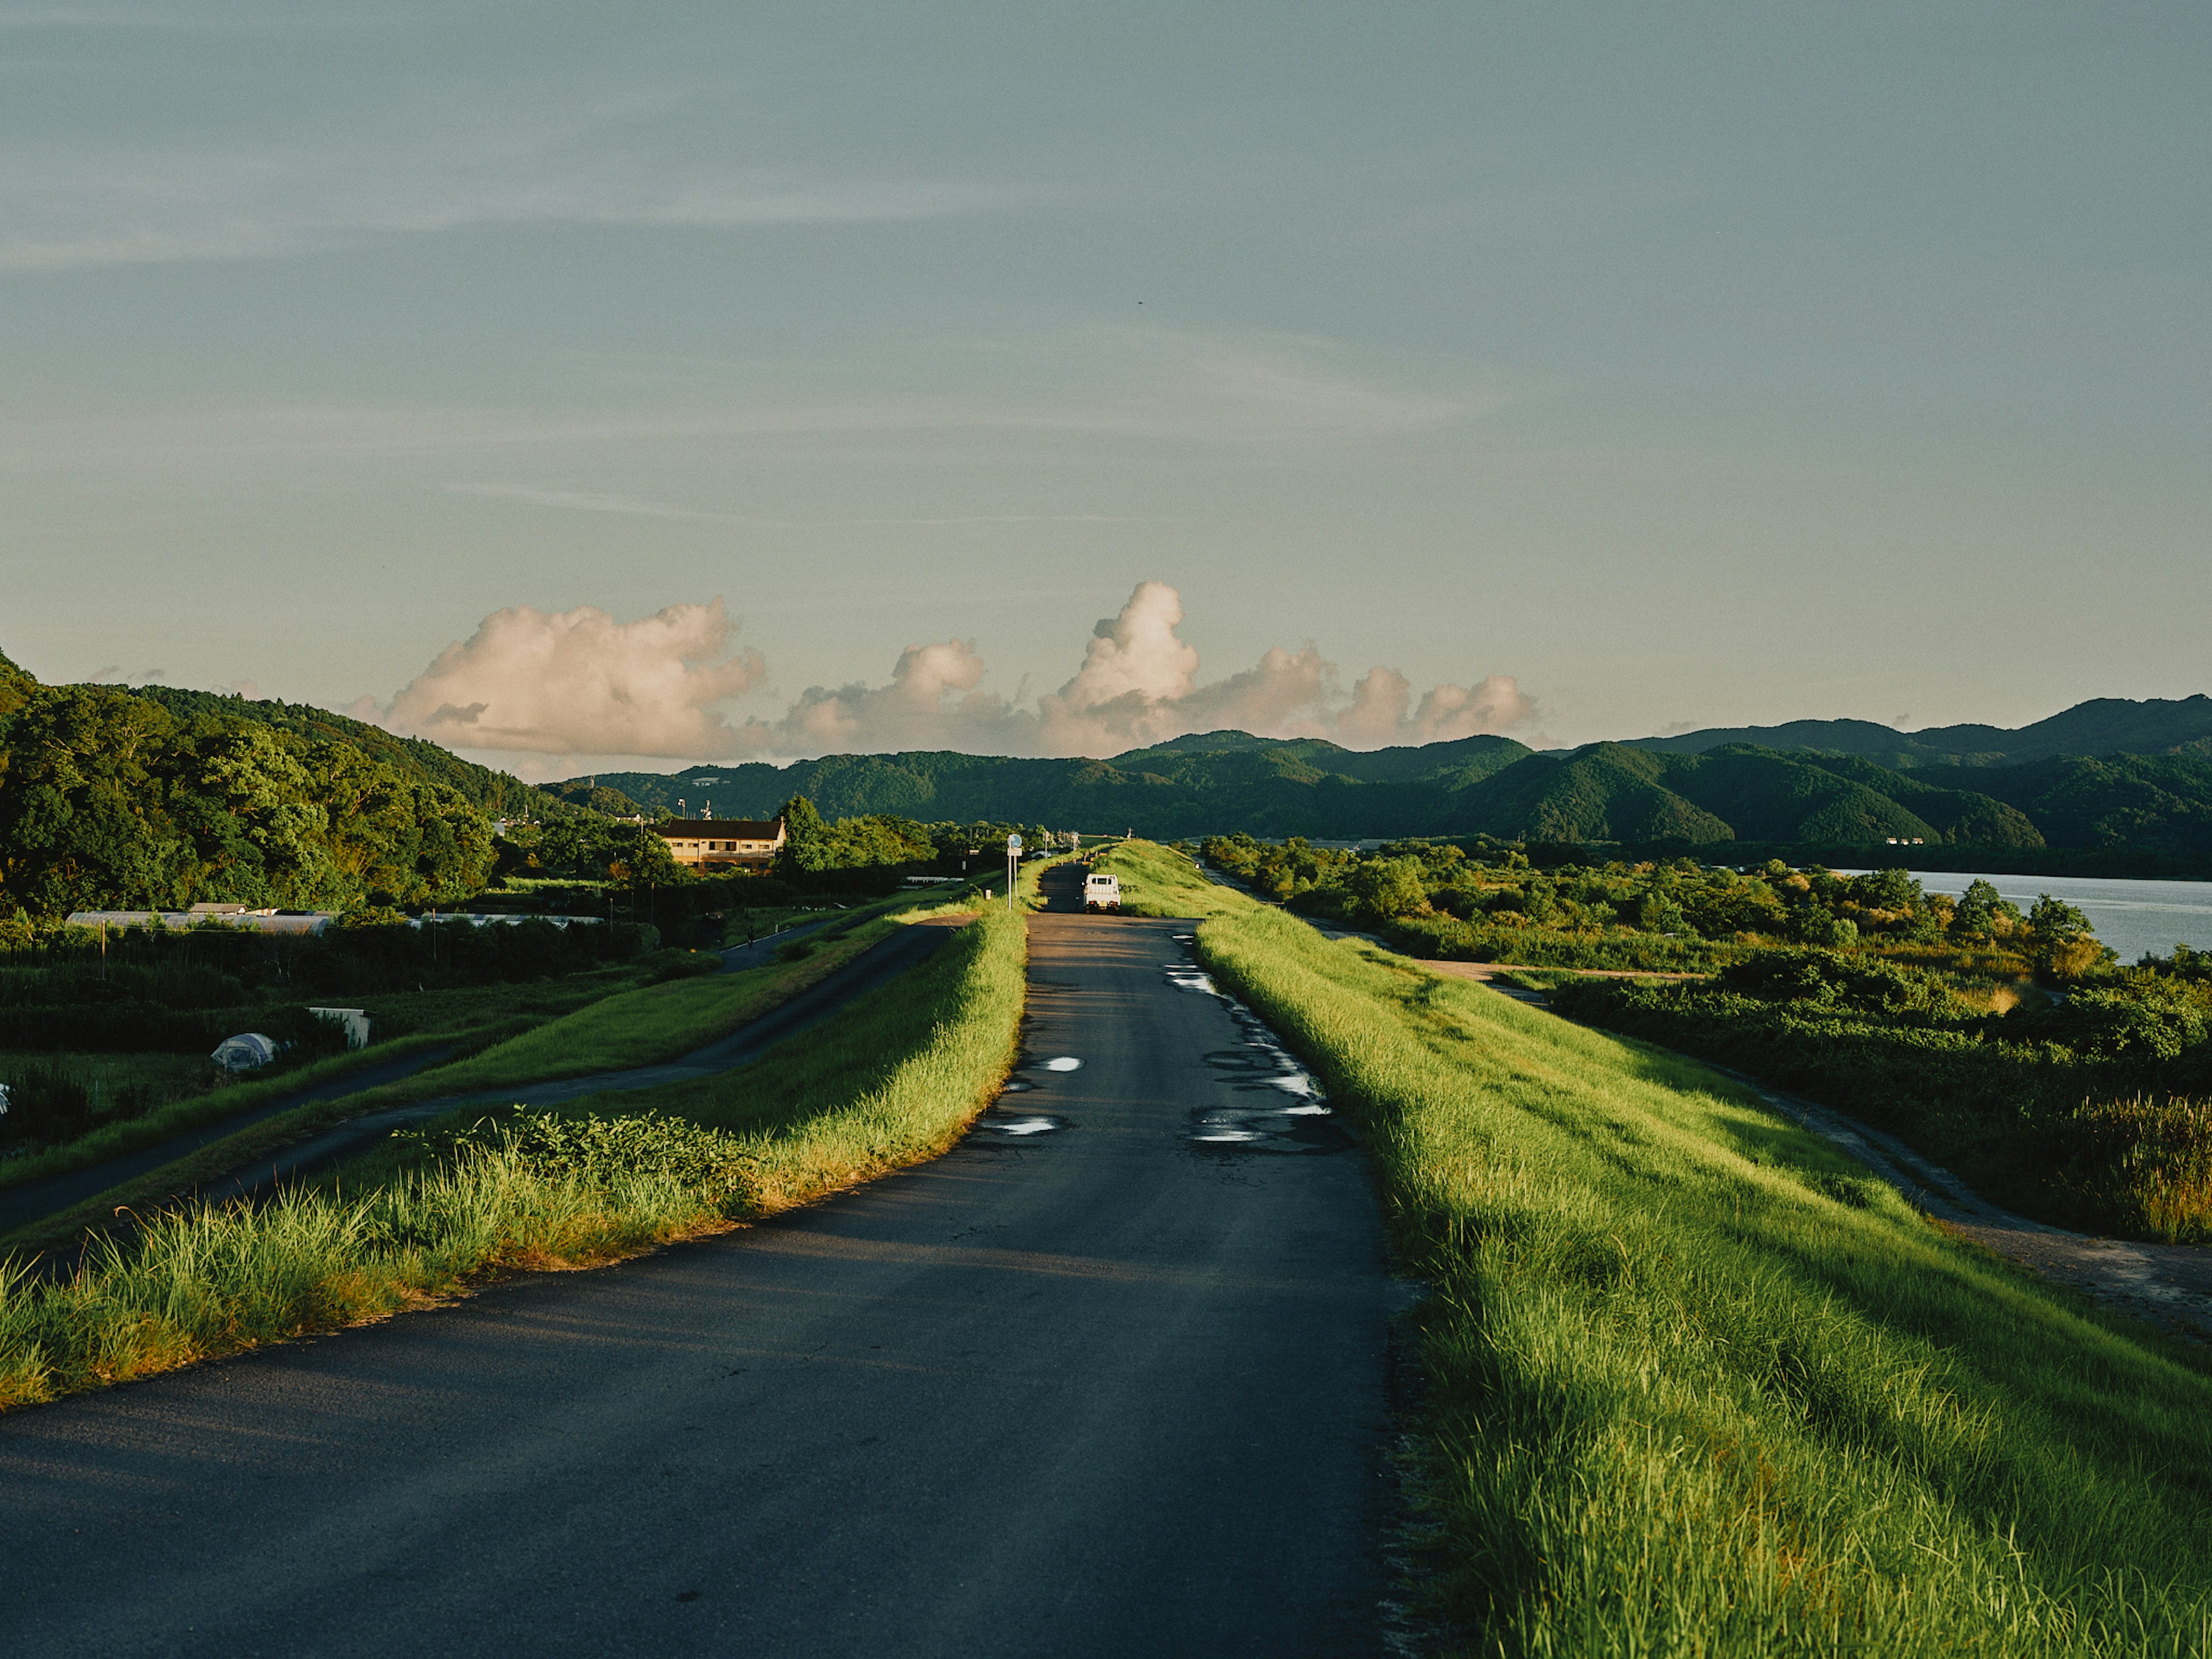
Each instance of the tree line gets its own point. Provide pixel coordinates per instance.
(109, 800)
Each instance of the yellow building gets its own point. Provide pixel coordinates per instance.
(722, 843)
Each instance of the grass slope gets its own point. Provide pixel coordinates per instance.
(891, 1080)
(1697, 1384)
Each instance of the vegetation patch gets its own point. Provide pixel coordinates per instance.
(2085, 1110)
(1696, 1383)
(891, 1080)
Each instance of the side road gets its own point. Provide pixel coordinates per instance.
(1103, 1380)
(877, 967)
(21, 1206)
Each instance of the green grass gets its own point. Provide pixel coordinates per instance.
(1698, 1384)
(649, 1024)
(468, 1017)
(888, 1081)
(1158, 881)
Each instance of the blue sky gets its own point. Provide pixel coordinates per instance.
(1686, 365)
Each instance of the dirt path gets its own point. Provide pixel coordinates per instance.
(2169, 1283)
(1483, 972)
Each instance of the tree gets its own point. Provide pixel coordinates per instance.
(1390, 887)
(1980, 911)
(806, 840)
(108, 800)
(2061, 940)
(1816, 926)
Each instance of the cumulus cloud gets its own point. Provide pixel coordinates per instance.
(579, 682)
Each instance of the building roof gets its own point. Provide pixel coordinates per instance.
(721, 828)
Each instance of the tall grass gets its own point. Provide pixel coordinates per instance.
(1696, 1384)
(888, 1081)
(205, 1281)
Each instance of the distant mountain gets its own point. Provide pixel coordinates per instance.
(499, 793)
(1194, 786)
(2105, 725)
(1605, 792)
(1622, 792)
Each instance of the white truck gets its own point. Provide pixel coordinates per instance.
(1101, 893)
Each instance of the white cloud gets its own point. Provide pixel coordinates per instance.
(579, 683)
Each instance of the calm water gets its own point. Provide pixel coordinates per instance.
(2131, 917)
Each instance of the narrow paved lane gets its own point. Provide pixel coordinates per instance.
(1107, 1379)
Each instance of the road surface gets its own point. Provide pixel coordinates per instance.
(1108, 1379)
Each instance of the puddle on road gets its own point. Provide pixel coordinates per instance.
(1262, 1072)
(1017, 1125)
(1003, 1121)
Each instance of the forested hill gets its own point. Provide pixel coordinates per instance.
(112, 800)
(499, 793)
(1193, 786)
(1225, 781)
(2104, 725)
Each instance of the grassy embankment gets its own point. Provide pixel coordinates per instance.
(890, 1081)
(2088, 1114)
(1698, 1384)
(618, 1023)
(188, 1093)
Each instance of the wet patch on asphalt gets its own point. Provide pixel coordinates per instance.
(1006, 1122)
(1270, 1103)
(1001, 1124)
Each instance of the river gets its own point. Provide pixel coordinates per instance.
(2131, 917)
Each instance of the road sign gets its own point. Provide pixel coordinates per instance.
(1013, 843)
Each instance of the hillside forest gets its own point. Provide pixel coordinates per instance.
(2135, 797)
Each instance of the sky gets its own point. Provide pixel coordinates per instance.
(590, 385)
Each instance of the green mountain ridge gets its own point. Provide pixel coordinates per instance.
(2102, 726)
(1603, 793)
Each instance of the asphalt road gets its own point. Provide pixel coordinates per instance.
(1107, 1379)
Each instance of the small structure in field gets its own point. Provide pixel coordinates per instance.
(249, 1051)
(355, 1021)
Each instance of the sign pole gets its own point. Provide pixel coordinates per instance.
(1013, 863)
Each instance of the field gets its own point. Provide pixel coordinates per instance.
(890, 1080)
(1695, 1384)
